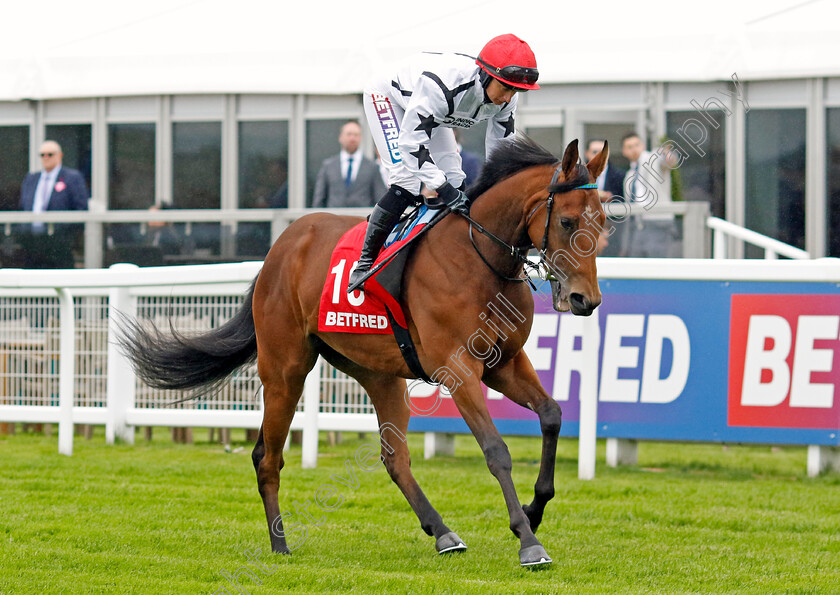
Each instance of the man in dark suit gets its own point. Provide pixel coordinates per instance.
(348, 179)
(611, 181)
(54, 188)
(610, 188)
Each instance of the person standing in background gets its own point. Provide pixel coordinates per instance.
(611, 181)
(648, 183)
(348, 179)
(610, 188)
(54, 188)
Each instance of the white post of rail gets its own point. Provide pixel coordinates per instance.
(720, 244)
(588, 431)
(66, 370)
(121, 382)
(311, 407)
(822, 458)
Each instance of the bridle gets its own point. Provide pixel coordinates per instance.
(520, 252)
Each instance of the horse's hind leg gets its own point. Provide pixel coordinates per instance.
(518, 381)
(387, 394)
(282, 387)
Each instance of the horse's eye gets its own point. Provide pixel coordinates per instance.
(567, 224)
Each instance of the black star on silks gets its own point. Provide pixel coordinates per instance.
(508, 126)
(427, 124)
(422, 154)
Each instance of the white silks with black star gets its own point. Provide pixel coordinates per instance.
(436, 92)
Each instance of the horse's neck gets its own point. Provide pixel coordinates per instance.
(504, 208)
(503, 211)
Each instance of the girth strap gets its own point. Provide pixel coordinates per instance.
(408, 349)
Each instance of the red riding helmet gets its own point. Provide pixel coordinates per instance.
(511, 61)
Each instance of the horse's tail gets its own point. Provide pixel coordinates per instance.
(202, 362)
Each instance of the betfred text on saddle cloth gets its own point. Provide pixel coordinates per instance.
(359, 311)
(367, 311)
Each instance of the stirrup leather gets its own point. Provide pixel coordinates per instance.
(380, 225)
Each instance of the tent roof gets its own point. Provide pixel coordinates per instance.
(104, 48)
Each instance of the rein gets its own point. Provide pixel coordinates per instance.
(519, 253)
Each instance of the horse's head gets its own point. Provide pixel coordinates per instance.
(568, 234)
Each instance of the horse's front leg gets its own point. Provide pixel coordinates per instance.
(470, 401)
(518, 381)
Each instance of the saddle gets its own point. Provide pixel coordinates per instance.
(377, 310)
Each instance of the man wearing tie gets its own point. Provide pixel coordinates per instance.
(54, 188)
(348, 179)
(648, 183)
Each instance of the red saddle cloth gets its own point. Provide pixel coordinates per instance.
(365, 311)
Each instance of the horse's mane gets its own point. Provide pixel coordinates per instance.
(510, 156)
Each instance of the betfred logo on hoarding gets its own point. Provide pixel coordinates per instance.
(784, 361)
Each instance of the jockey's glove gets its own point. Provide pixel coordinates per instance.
(456, 200)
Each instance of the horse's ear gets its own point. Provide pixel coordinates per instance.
(570, 159)
(599, 162)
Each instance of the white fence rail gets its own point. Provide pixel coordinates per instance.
(59, 362)
(773, 248)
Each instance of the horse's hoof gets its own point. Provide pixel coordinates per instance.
(449, 542)
(533, 555)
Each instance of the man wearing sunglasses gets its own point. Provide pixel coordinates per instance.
(54, 188)
(412, 114)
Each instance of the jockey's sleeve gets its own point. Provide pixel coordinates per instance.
(501, 125)
(425, 111)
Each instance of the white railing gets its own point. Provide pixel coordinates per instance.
(723, 230)
(59, 362)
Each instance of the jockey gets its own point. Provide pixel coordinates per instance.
(411, 116)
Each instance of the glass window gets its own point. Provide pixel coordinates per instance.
(263, 176)
(701, 178)
(321, 143)
(75, 144)
(263, 164)
(14, 164)
(775, 155)
(472, 142)
(473, 139)
(833, 180)
(549, 137)
(197, 184)
(197, 165)
(131, 166)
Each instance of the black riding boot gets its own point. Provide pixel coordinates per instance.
(385, 214)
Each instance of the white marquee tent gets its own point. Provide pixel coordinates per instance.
(93, 48)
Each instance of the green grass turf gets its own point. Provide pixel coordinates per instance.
(171, 518)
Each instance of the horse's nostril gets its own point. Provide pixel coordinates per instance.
(581, 305)
(579, 301)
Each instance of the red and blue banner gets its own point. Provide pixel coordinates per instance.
(711, 361)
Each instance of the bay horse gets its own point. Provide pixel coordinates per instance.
(525, 199)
